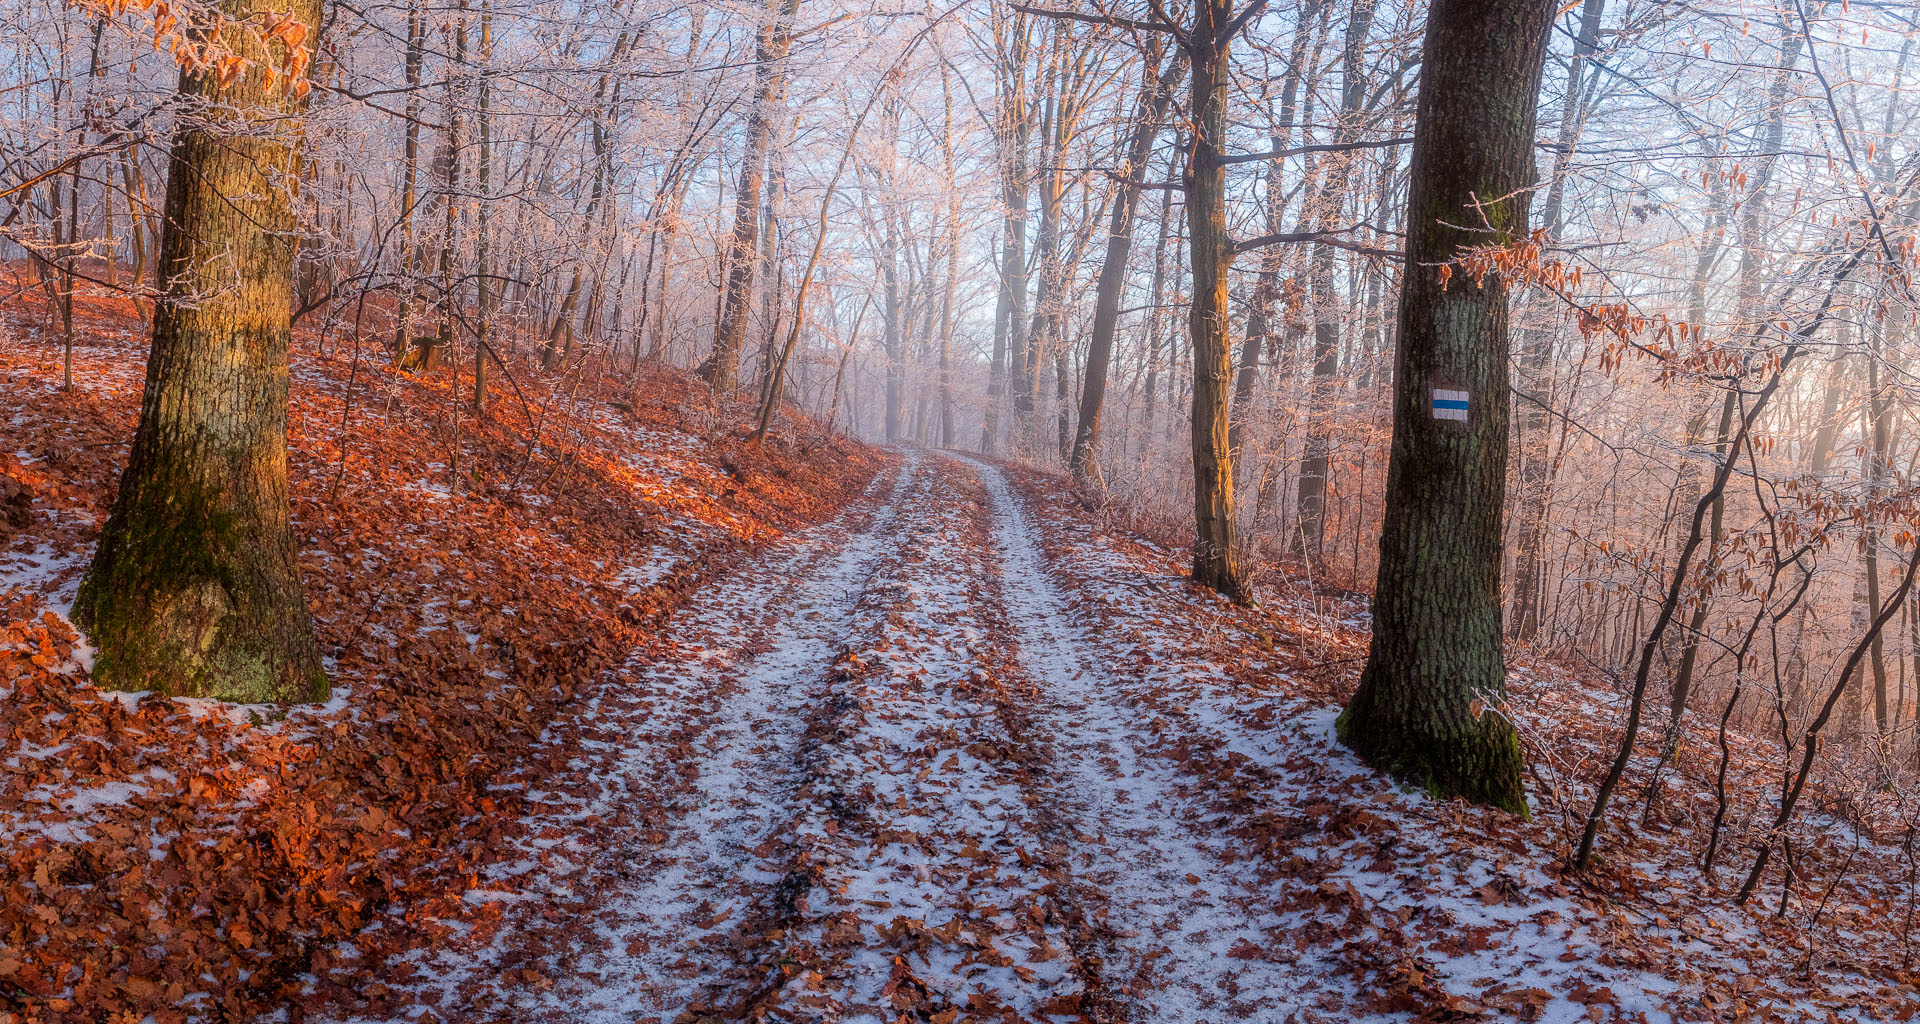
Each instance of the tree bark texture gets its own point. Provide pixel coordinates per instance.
(195, 588)
(1427, 709)
(1216, 555)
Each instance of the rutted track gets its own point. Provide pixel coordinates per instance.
(933, 885)
(618, 907)
(881, 774)
(1183, 911)
(711, 870)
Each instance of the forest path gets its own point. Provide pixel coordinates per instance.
(1185, 907)
(880, 772)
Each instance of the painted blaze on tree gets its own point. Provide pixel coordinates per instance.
(1427, 706)
(195, 589)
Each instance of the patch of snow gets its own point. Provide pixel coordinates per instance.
(639, 576)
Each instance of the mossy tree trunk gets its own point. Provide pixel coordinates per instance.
(195, 590)
(1427, 707)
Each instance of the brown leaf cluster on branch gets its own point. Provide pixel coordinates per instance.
(1525, 264)
(199, 38)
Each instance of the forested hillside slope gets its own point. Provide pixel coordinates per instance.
(474, 584)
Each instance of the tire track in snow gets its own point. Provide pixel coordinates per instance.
(712, 872)
(627, 906)
(923, 887)
(1181, 910)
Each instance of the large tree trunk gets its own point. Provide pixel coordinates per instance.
(1427, 707)
(1156, 95)
(195, 589)
(1216, 553)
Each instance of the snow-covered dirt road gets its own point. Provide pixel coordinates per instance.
(879, 772)
(905, 767)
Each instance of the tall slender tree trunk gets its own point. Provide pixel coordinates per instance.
(66, 275)
(139, 232)
(1527, 598)
(1428, 706)
(668, 235)
(1750, 272)
(1012, 131)
(1716, 528)
(1156, 292)
(948, 434)
(772, 200)
(1156, 94)
(442, 344)
(407, 258)
(1878, 455)
(722, 367)
(1028, 327)
(1062, 402)
(893, 331)
(1216, 555)
(1316, 459)
(1046, 299)
(483, 229)
(1004, 315)
(195, 588)
(1266, 291)
(557, 348)
(1535, 469)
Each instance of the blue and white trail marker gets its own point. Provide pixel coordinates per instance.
(1449, 404)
